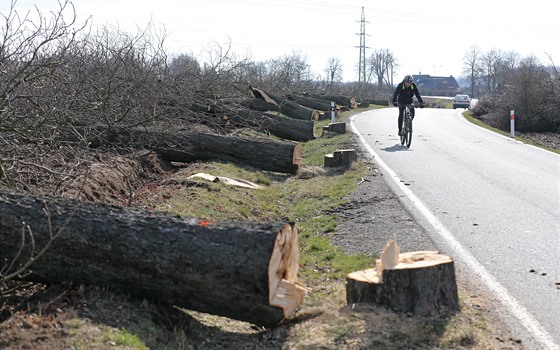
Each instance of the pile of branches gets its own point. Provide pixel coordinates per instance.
(61, 84)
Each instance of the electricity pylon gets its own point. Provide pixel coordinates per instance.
(362, 60)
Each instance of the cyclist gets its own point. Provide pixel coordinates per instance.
(403, 95)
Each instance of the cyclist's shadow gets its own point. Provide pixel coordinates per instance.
(396, 148)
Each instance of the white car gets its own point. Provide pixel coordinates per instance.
(461, 101)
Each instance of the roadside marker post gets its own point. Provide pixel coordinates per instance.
(333, 110)
(512, 123)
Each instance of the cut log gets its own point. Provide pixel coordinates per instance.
(315, 103)
(422, 283)
(289, 108)
(274, 123)
(349, 102)
(386, 102)
(246, 271)
(278, 125)
(297, 111)
(284, 157)
(260, 105)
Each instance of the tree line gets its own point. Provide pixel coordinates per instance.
(507, 81)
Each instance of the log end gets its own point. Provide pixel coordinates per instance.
(285, 291)
(297, 159)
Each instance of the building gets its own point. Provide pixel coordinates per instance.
(436, 86)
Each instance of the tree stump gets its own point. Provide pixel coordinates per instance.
(422, 283)
(341, 157)
(339, 128)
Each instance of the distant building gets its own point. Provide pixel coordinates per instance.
(436, 86)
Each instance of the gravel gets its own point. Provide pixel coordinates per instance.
(374, 215)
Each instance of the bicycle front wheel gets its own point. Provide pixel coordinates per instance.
(407, 138)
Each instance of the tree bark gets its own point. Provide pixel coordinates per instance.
(260, 105)
(284, 157)
(315, 103)
(243, 270)
(278, 125)
(289, 108)
(349, 102)
(422, 283)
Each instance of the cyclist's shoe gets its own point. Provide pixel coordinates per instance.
(401, 133)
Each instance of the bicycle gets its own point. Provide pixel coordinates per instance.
(406, 136)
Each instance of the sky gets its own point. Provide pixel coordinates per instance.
(427, 37)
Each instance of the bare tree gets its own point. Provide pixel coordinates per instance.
(381, 65)
(511, 60)
(334, 70)
(289, 72)
(491, 64)
(34, 49)
(471, 63)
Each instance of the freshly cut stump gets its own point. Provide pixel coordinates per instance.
(422, 283)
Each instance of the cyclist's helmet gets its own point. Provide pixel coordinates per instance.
(408, 79)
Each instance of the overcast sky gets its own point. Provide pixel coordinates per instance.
(429, 36)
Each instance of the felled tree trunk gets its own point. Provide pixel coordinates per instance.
(280, 126)
(422, 283)
(245, 271)
(284, 157)
(260, 105)
(289, 108)
(349, 102)
(315, 103)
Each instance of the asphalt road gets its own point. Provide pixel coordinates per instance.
(490, 202)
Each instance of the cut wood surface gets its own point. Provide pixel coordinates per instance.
(422, 283)
(279, 156)
(243, 270)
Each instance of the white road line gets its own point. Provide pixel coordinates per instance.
(520, 312)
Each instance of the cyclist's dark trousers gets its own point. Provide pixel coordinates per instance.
(401, 114)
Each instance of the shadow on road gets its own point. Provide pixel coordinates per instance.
(396, 148)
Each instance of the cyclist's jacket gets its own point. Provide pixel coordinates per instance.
(403, 94)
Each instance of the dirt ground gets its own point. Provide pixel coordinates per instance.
(47, 318)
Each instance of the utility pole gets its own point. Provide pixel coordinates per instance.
(362, 60)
